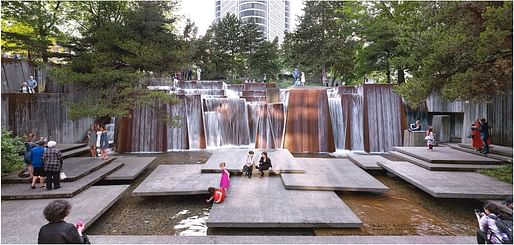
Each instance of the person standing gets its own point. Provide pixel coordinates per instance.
(430, 138)
(29, 144)
(36, 157)
(98, 135)
(484, 135)
(476, 141)
(189, 74)
(32, 84)
(198, 73)
(225, 177)
(296, 75)
(104, 143)
(91, 142)
(57, 231)
(264, 163)
(302, 78)
(53, 166)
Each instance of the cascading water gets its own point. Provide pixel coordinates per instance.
(356, 124)
(195, 128)
(177, 127)
(212, 132)
(232, 120)
(338, 122)
(253, 119)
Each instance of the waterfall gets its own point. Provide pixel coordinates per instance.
(356, 123)
(212, 129)
(194, 120)
(383, 111)
(338, 123)
(177, 127)
(253, 118)
(276, 123)
(232, 120)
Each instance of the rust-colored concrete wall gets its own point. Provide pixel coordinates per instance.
(308, 125)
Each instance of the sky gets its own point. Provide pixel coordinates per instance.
(202, 12)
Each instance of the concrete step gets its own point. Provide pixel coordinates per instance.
(67, 190)
(76, 152)
(445, 155)
(493, 153)
(75, 168)
(496, 149)
(69, 147)
(145, 239)
(442, 166)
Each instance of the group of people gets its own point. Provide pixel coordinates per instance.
(28, 87)
(44, 162)
(480, 136)
(98, 139)
(493, 227)
(219, 194)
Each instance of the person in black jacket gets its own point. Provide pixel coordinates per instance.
(264, 163)
(57, 230)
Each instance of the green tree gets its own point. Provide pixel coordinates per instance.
(265, 60)
(12, 147)
(466, 53)
(31, 28)
(121, 44)
(324, 39)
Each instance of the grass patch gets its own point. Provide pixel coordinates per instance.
(503, 173)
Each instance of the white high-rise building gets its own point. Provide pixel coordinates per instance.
(271, 16)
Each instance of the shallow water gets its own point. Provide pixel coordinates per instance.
(404, 210)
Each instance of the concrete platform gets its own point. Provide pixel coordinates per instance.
(445, 155)
(67, 190)
(442, 166)
(446, 184)
(325, 174)
(76, 152)
(75, 168)
(265, 203)
(183, 179)
(469, 149)
(496, 149)
(367, 162)
(132, 167)
(97, 239)
(281, 160)
(22, 219)
(69, 147)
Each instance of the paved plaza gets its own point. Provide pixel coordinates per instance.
(332, 175)
(21, 219)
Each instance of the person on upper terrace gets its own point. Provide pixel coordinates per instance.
(32, 83)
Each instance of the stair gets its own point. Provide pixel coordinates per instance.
(469, 149)
(442, 166)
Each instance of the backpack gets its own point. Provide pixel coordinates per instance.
(505, 228)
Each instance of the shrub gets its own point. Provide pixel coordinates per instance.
(12, 152)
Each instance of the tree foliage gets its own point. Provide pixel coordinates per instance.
(12, 147)
(123, 45)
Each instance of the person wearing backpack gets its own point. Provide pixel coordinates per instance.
(488, 230)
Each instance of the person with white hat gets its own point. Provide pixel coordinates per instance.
(53, 165)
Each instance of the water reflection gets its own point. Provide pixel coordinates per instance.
(195, 225)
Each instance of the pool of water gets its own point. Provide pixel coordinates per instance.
(404, 210)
